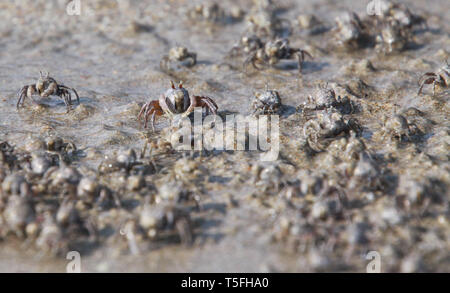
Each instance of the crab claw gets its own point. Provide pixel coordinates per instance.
(180, 84)
(171, 83)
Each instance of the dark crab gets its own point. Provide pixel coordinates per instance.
(274, 51)
(441, 78)
(44, 87)
(268, 102)
(175, 100)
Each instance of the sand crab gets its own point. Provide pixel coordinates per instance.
(175, 100)
(440, 78)
(327, 125)
(325, 98)
(180, 56)
(274, 51)
(268, 102)
(44, 87)
(154, 219)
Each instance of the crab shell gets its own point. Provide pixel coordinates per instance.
(269, 97)
(175, 100)
(325, 97)
(178, 53)
(44, 82)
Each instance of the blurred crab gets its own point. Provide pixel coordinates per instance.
(440, 78)
(327, 125)
(269, 102)
(179, 55)
(154, 219)
(349, 30)
(265, 23)
(211, 12)
(274, 51)
(44, 87)
(397, 11)
(247, 44)
(398, 127)
(392, 37)
(18, 213)
(175, 100)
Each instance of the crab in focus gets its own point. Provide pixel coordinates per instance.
(440, 78)
(44, 87)
(268, 102)
(175, 100)
(274, 51)
(179, 55)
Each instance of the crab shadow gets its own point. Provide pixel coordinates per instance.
(308, 67)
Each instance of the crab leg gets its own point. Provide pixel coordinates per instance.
(72, 89)
(151, 108)
(26, 91)
(208, 102)
(430, 80)
(300, 54)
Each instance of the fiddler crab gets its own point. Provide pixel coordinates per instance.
(325, 98)
(440, 78)
(328, 125)
(179, 55)
(44, 87)
(268, 102)
(274, 51)
(175, 100)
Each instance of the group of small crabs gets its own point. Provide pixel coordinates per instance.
(177, 100)
(52, 204)
(265, 44)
